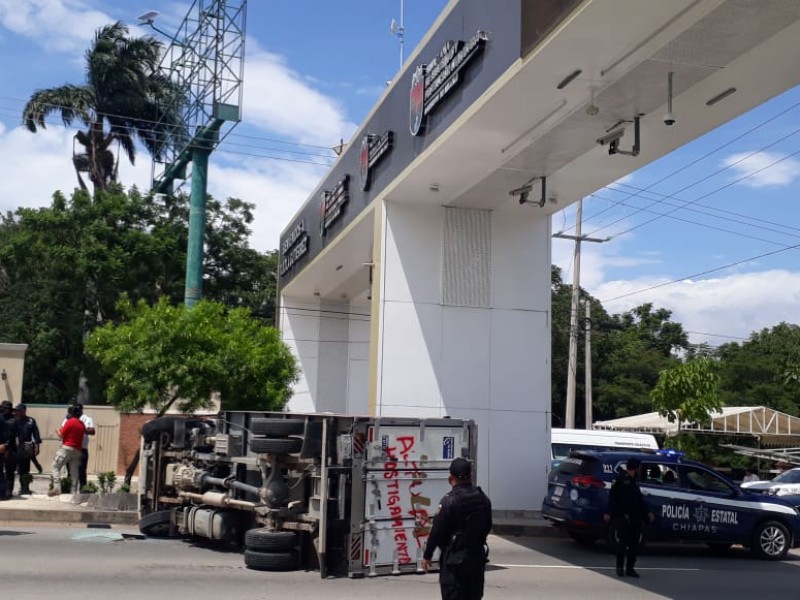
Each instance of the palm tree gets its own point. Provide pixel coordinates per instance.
(125, 97)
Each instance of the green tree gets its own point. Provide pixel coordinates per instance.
(125, 97)
(688, 392)
(762, 370)
(633, 348)
(163, 355)
(64, 267)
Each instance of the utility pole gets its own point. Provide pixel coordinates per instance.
(587, 324)
(572, 367)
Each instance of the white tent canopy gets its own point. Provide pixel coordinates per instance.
(773, 428)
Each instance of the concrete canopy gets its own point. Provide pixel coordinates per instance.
(525, 126)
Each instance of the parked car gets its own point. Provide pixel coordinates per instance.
(691, 503)
(785, 484)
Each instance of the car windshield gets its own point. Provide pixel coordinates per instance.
(792, 476)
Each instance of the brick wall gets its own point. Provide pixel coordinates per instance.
(130, 428)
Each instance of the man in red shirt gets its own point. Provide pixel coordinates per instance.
(69, 454)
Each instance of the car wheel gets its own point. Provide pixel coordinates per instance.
(771, 540)
(269, 541)
(270, 561)
(277, 427)
(156, 524)
(290, 445)
(719, 547)
(584, 539)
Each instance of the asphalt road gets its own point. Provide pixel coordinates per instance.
(56, 562)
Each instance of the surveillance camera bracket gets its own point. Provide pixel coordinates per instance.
(525, 190)
(613, 147)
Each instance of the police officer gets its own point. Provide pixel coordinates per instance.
(460, 527)
(627, 512)
(6, 447)
(28, 443)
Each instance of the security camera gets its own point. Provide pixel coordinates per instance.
(612, 137)
(523, 193)
(669, 119)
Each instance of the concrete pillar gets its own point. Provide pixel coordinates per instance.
(464, 307)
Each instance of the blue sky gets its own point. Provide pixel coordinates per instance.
(314, 70)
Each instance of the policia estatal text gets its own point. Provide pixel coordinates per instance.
(460, 528)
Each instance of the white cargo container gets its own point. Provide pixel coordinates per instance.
(346, 495)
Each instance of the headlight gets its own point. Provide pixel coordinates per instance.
(773, 491)
(782, 492)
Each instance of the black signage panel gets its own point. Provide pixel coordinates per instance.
(473, 46)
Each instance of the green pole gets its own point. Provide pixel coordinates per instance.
(197, 226)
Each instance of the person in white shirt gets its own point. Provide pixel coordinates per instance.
(750, 475)
(88, 423)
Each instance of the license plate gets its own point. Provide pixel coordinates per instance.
(558, 491)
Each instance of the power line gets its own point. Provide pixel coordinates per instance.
(709, 226)
(708, 206)
(153, 122)
(706, 272)
(708, 154)
(706, 195)
(225, 144)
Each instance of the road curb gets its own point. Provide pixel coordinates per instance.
(69, 516)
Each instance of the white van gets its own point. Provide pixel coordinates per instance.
(565, 440)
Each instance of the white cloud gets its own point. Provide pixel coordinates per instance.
(277, 190)
(765, 168)
(279, 100)
(33, 166)
(735, 305)
(61, 25)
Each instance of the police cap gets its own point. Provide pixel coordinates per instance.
(461, 468)
(6, 404)
(20, 407)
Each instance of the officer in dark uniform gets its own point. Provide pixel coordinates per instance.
(6, 434)
(460, 527)
(626, 513)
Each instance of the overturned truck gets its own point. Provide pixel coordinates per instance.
(345, 495)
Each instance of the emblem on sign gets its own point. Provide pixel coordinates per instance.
(374, 149)
(417, 100)
(433, 83)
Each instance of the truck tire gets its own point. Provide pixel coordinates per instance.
(270, 541)
(270, 561)
(277, 427)
(156, 524)
(771, 540)
(290, 445)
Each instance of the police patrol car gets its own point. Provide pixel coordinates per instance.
(690, 501)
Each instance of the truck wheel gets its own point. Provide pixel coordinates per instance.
(771, 541)
(270, 561)
(156, 524)
(277, 427)
(270, 541)
(290, 445)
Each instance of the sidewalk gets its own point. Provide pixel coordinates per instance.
(39, 507)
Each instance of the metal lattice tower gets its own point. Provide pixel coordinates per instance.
(206, 60)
